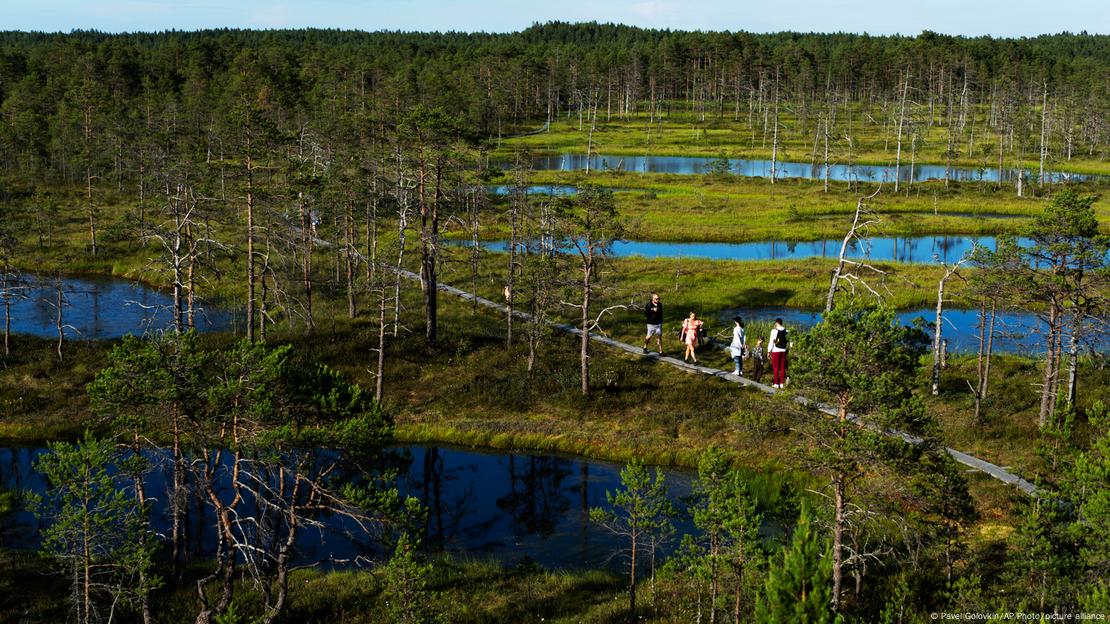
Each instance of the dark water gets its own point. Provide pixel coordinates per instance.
(1015, 331)
(924, 249)
(505, 506)
(101, 307)
(692, 165)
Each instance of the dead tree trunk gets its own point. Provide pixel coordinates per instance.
(308, 238)
(402, 225)
(901, 121)
(775, 134)
(250, 247)
(519, 197)
(983, 365)
(7, 296)
(990, 350)
(190, 277)
(854, 233)
(938, 328)
(379, 378)
(838, 521)
(59, 305)
(1044, 132)
(349, 255)
(584, 346)
(1073, 357)
(1048, 389)
(826, 176)
(91, 207)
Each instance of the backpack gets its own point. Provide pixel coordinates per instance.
(781, 340)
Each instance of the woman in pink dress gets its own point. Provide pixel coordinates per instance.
(690, 329)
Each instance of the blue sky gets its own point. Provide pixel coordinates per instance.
(958, 17)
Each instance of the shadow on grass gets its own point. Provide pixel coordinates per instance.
(752, 297)
(527, 593)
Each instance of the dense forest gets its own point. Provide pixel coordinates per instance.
(61, 92)
(402, 269)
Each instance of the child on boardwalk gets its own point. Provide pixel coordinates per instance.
(758, 360)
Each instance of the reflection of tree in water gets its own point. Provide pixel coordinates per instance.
(909, 249)
(536, 501)
(860, 246)
(445, 503)
(14, 467)
(942, 245)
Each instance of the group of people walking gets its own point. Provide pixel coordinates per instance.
(693, 333)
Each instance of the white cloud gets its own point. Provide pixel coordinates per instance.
(653, 10)
(276, 16)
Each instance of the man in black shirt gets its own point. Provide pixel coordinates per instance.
(653, 314)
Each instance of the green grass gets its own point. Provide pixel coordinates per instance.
(1008, 434)
(873, 142)
(710, 287)
(667, 207)
(42, 398)
(30, 589)
(463, 591)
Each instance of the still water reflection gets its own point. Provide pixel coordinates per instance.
(692, 165)
(505, 506)
(922, 249)
(100, 307)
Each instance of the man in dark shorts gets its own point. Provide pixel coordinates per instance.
(653, 314)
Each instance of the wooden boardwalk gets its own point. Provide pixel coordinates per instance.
(970, 461)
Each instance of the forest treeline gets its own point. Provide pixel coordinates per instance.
(58, 88)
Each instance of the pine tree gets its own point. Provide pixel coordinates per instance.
(97, 531)
(1043, 558)
(1092, 528)
(407, 596)
(798, 590)
(726, 514)
(865, 361)
(640, 509)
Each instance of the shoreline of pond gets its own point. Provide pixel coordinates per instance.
(225, 322)
(1097, 174)
(492, 504)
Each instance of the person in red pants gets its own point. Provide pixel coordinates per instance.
(777, 346)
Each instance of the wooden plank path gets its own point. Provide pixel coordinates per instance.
(970, 461)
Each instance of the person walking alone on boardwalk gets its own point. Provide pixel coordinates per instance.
(653, 314)
(738, 346)
(778, 344)
(690, 328)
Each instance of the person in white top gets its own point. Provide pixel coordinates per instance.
(777, 345)
(738, 346)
